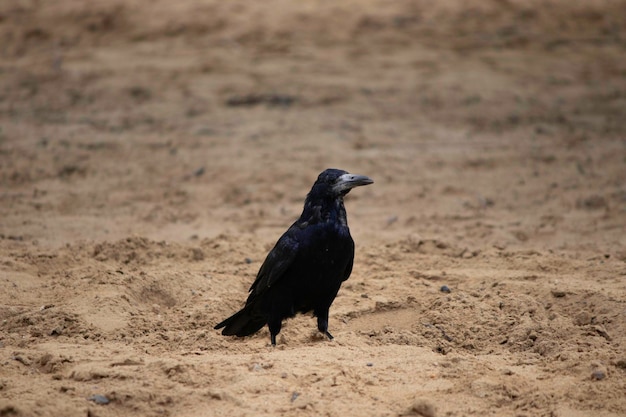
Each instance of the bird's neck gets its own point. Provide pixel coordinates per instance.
(324, 210)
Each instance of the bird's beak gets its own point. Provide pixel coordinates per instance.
(346, 182)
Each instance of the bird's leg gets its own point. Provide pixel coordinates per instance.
(322, 324)
(274, 326)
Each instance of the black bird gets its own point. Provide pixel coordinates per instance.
(304, 270)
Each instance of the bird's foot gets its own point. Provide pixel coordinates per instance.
(330, 336)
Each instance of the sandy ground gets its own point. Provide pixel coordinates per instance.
(151, 153)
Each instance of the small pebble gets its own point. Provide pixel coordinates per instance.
(369, 364)
(558, 293)
(445, 289)
(598, 371)
(99, 399)
(422, 408)
(294, 396)
(598, 374)
(21, 360)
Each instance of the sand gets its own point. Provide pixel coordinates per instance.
(152, 152)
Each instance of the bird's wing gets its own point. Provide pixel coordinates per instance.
(277, 261)
(348, 270)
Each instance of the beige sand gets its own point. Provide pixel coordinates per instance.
(151, 153)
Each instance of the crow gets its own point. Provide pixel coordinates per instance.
(304, 270)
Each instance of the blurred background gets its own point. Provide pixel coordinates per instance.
(193, 118)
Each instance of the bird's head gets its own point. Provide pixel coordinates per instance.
(337, 183)
(325, 200)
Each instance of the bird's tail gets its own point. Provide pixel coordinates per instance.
(243, 323)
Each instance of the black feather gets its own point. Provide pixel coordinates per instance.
(304, 270)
